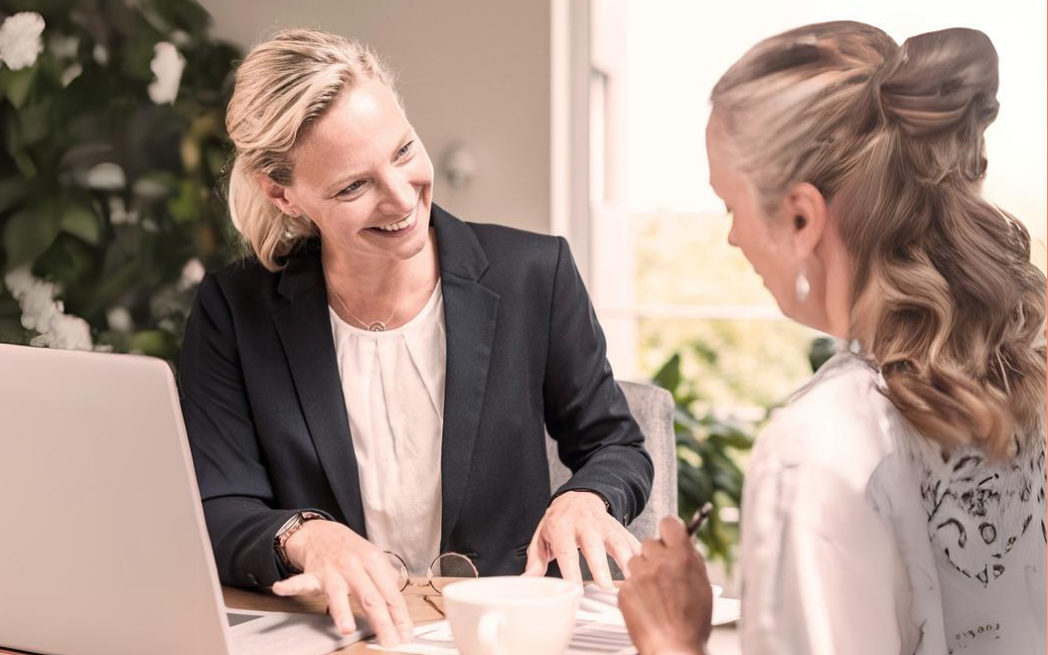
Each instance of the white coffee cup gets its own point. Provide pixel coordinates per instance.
(512, 615)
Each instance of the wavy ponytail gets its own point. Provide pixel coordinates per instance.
(946, 301)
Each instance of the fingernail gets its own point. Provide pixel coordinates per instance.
(347, 628)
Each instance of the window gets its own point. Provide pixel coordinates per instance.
(689, 289)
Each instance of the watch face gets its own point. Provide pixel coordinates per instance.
(289, 524)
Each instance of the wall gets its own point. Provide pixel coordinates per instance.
(470, 71)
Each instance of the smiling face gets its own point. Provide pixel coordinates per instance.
(363, 176)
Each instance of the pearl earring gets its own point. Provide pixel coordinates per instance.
(801, 288)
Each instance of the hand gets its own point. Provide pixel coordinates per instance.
(579, 520)
(668, 602)
(336, 562)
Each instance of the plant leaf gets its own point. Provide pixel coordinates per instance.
(12, 191)
(29, 232)
(18, 84)
(668, 376)
(81, 222)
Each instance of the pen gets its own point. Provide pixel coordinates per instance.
(698, 517)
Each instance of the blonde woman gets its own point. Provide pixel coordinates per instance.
(897, 504)
(378, 377)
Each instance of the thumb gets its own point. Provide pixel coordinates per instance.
(672, 532)
(301, 584)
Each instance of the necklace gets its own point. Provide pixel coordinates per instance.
(373, 326)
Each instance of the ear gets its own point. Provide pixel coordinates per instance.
(806, 215)
(277, 194)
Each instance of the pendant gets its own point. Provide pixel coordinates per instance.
(376, 326)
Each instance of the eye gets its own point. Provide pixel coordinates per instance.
(405, 150)
(355, 186)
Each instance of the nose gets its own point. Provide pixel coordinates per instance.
(400, 195)
(732, 240)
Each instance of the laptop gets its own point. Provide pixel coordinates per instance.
(104, 550)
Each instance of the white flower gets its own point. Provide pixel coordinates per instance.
(18, 280)
(39, 307)
(120, 320)
(106, 177)
(69, 333)
(167, 66)
(71, 73)
(20, 41)
(118, 214)
(179, 37)
(35, 297)
(192, 274)
(100, 55)
(42, 313)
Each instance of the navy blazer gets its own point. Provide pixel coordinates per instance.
(269, 432)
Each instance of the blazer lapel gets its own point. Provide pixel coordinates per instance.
(305, 333)
(470, 316)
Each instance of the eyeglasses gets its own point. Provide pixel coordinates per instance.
(440, 573)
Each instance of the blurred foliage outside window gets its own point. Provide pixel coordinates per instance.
(727, 366)
(113, 131)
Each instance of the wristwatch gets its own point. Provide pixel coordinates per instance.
(290, 527)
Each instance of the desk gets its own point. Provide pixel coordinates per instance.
(420, 611)
(723, 641)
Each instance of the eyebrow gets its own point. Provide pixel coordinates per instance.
(343, 182)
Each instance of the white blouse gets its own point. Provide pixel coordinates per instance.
(393, 383)
(860, 538)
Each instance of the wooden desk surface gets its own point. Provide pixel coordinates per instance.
(724, 640)
(421, 612)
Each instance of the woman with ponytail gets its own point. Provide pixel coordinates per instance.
(897, 504)
(370, 389)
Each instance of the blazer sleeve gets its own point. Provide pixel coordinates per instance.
(585, 410)
(234, 483)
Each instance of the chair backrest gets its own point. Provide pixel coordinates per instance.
(653, 408)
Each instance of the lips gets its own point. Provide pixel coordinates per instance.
(402, 224)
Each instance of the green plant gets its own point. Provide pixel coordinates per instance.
(708, 448)
(113, 143)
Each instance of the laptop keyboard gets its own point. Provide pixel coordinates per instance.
(235, 619)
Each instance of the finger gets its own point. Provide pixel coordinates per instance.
(373, 604)
(631, 541)
(651, 548)
(672, 532)
(538, 559)
(620, 552)
(338, 603)
(538, 553)
(567, 553)
(387, 582)
(638, 565)
(597, 558)
(304, 584)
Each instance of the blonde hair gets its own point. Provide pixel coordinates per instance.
(282, 87)
(946, 301)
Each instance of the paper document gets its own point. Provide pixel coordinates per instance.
(599, 628)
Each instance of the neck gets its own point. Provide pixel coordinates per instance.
(840, 275)
(377, 285)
